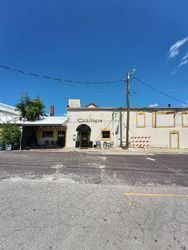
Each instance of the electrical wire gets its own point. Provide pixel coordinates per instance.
(169, 90)
(87, 82)
(159, 91)
(58, 79)
(147, 98)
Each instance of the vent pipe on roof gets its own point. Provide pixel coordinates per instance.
(51, 110)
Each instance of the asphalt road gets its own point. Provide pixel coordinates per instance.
(164, 169)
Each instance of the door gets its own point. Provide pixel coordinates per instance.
(174, 139)
(61, 139)
(84, 138)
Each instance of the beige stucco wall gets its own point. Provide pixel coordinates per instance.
(96, 120)
(101, 119)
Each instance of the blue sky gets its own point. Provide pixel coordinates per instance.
(94, 40)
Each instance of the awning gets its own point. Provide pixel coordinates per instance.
(55, 121)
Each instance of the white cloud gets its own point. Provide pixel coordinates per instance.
(183, 63)
(185, 57)
(174, 71)
(174, 49)
(154, 105)
(184, 60)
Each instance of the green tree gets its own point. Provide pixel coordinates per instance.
(29, 109)
(10, 134)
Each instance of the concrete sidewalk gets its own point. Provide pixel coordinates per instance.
(118, 151)
(130, 151)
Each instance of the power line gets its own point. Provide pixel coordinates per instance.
(169, 90)
(102, 94)
(159, 91)
(86, 82)
(147, 98)
(58, 79)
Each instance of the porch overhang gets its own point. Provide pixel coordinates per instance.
(46, 122)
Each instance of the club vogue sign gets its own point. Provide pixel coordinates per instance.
(89, 120)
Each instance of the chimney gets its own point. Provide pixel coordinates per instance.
(51, 110)
(74, 103)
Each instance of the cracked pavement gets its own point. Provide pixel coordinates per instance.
(54, 215)
(164, 169)
(53, 202)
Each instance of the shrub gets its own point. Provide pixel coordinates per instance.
(10, 134)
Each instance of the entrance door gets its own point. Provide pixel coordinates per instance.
(83, 138)
(29, 137)
(174, 139)
(61, 139)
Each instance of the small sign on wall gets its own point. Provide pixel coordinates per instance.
(90, 120)
(74, 137)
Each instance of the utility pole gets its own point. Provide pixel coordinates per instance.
(121, 137)
(128, 81)
(21, 135)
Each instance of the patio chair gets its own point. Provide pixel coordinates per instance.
(98, 144)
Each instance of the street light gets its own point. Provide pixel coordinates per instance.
(127, 81)
(130, 74)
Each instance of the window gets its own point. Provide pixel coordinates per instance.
(140, 120)
(105, 134)
(163, 119)
(47, 134)
(184, 119)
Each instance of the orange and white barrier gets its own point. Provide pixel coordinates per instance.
(140, 141)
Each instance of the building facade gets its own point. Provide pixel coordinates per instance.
(8, 113)
(47, 132)
(93, 126)
(149, 127)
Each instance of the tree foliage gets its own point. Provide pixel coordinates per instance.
(30, 110)
(10, 134)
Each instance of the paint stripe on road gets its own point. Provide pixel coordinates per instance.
(150, 159)
(102, 167)
(156, 195)
(163, 165)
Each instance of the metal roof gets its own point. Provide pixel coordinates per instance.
(46, 121)
(8, 109)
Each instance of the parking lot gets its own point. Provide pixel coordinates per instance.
(53, 200)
